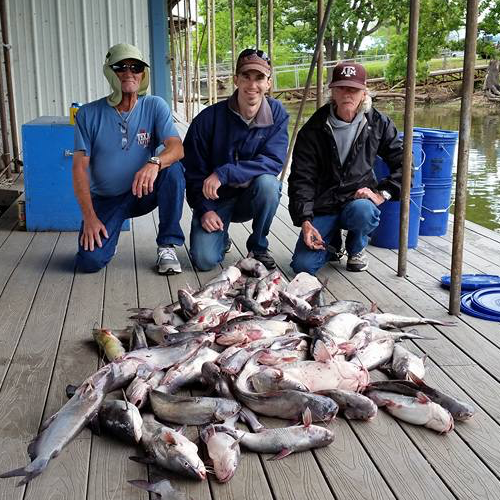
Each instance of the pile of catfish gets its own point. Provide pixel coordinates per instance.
(259, 346)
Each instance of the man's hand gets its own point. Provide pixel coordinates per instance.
(210, 186)
(92, 229)
(368, 194)
(210, 221)
(144, 180)
(312, 238)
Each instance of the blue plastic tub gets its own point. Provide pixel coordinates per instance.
(435, 206)
(387, 233)
(439, 149)
(382, 170)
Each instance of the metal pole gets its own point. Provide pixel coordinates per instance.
(208, 23)
(233, 43)
(411, 67)
(173, 59)
(5, 135)
(463, 157)
(319, 43)
(10, 87)
(257, 24)
(187, 47)
(270, 30)
(214, 54)
(319, 68)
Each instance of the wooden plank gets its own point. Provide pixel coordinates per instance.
(77, 359)
(24, 392)
(18, 294)
(109, 464)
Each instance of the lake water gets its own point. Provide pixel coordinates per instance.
(483, 183)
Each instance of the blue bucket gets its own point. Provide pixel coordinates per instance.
(386, 235)
(439, 150)
(382, 170)
(435, 206)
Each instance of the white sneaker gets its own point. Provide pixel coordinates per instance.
(167, 262)
(357, 262)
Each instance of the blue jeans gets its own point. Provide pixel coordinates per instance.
(258, 202)
(359, 217)
(112, 211)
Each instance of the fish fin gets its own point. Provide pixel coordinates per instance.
(169, 438)
(142, 460)
(373, 307)
(236, 443)
(422, 398)
(282, 454)
(140, 483)
(321, 353)
(417, 380)
(307, 417)
(182, 430)
(14, 473)
(34, 469)
(70, 390)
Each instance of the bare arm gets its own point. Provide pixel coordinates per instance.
(144, 179)
(92, 226)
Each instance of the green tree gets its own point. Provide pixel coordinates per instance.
(436, 20)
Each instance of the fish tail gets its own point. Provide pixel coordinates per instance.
(14, 473)
(29, 472)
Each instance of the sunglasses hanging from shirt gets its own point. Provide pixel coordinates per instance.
(135, 68)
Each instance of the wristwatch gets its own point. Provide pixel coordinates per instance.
(155, 160)
(386, 195)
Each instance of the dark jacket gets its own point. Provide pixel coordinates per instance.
(320, 185)
(218, 140)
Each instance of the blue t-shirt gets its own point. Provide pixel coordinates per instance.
(119, 147)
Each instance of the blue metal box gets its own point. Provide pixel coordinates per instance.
(47, 156)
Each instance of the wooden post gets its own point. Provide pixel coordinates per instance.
(173, 58)
(6, 167)
(208, 22)
(233, 43)
(270, 31)
(197, 84)
(319, 68)
(319, 43)
(463, 156)
(214, 55)
(411, 67)
(187, 47)
(257, 24)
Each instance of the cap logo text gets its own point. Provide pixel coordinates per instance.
(348, 71)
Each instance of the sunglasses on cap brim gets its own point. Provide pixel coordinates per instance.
(258, 53)
(135, 68)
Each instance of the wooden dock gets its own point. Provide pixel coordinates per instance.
(47, 312)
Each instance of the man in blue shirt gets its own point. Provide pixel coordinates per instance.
(234, 151)
(116, 174)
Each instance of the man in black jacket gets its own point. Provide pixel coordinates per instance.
(332, 185)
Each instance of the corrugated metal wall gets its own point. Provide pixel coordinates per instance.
(58, 48)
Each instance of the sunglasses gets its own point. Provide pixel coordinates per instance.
(258, 53)
(135, 68)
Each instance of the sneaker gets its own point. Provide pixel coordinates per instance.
(357, 262)
(228, 246)
(167, 262)
(265, 258)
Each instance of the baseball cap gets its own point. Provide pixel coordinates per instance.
(253, 59)
(122, 51)
(346, 74)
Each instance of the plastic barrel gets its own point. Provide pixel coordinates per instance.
(439, 149)
(435, 206)
(386, 235)
(382, 170)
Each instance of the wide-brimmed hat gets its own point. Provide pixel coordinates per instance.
(122, 51)
(349, 75)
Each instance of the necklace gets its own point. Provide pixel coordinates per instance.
(124, 125)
